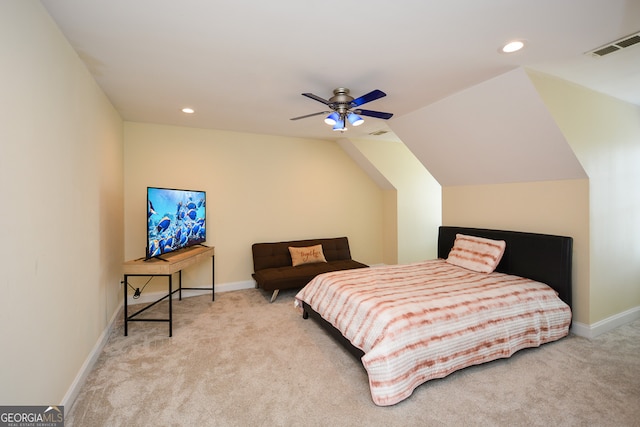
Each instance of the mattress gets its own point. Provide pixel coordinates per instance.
(425, 320)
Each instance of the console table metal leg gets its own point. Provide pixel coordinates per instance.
(125, 304)
(170, 308)
(213, 278)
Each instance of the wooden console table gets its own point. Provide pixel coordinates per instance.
(169, 264)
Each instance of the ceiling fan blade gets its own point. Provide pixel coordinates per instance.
(317, 98)
(368, 97)
(310, 115)
(376, 114)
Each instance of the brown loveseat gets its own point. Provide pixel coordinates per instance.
(273, 267)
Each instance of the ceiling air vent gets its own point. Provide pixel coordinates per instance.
(616, 45)
(379, 132)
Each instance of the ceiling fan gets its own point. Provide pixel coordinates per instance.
(345, 108)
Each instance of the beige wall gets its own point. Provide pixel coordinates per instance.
(259, 188)
(390, 229)
(550, 207)
(418, 201)
(61, 186)
(605, 135)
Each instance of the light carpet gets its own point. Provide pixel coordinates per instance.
(242, 361)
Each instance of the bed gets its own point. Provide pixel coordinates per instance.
(412, 323)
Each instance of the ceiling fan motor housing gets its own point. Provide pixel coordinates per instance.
(341, 100)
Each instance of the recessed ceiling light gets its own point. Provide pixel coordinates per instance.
(188, 110)
(513, 46)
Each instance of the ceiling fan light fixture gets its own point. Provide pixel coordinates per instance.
(339, 126)
(355, 119)
(332, 119)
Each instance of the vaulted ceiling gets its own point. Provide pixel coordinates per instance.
(243, 64)
(498, 131)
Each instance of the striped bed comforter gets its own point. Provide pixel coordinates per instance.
(426, 320)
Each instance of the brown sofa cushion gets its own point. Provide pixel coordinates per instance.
(290, 277)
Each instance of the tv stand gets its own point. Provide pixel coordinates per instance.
(174, 262)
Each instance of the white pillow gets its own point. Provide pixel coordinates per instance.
(476, 253)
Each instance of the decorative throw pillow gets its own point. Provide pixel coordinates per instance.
(306, 255)
(476, 253)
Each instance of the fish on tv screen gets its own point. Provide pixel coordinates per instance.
(176, 219)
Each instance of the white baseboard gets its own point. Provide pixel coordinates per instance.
(605, 325)
(236, 286)
(81, 377)
(73, 391)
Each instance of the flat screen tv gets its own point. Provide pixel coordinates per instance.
(176, 219)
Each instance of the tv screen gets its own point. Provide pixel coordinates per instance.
(176, 219)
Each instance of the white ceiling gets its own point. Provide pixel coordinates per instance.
(242, 64)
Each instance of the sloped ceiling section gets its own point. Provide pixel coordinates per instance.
(365, 164)
(496, 132)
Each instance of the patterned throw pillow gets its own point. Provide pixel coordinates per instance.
(306, 255)
(476, 253)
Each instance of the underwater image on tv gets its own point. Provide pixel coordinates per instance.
(176, 219)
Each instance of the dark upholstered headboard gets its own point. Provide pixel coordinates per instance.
(541, 257)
